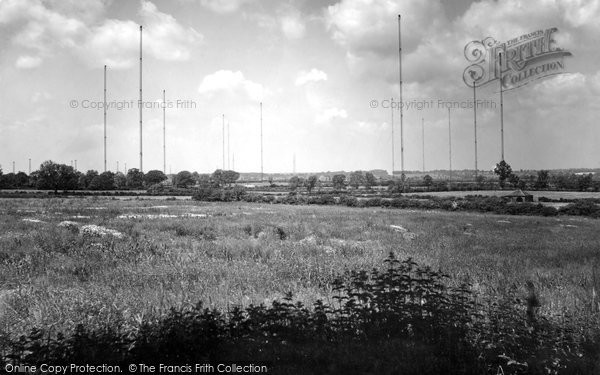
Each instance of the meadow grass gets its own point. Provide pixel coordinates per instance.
(241, 254)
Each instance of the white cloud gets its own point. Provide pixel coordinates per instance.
(372, 26)
(28, 62)
(368, 31)
(40, 28)
(330, 114)
(231, 83)
(223, 6)
(582, 13)
(287, 20)
(314, 75)
(292, 26)
(563, 91)
(49, 27)
(116, 42)
(166, 39)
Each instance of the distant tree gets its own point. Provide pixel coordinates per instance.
(542, 179)
(230, 177)
(528, 181)
(356, 179)
(9, 181)
(370, 180)
(311, 182)
(565, 181)
(1, 179)
(294, 183)
(134, 179)
(120, 181)
(585, 182)
(504, 171)
(154, 177)
(218, 177)
(184, 179)
(21, 180)
(270, 179)
(204, 180)
(104, 181)
(33, 178)
(339, 181)
(56, 176)
(398, 186)
(514, 180)
(395, 186)
(222, 177)
(84, 180)
(427, 180)
(480, 180)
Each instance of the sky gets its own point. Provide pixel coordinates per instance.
(324, 71)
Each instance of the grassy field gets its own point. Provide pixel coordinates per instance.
(499, 193)
(174, 253)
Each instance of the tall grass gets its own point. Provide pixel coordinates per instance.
(248, 254)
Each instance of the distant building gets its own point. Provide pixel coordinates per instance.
(324, 178)
(380, 173)
(519, 196)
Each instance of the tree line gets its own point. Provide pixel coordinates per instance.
(55, 176)
(506, 178)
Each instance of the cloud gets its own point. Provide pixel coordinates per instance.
(287, 20)
(116, 42)
(231, 83)
(563, 92)
(368, 31)
(54, 27)
(330, 114)
(292, 26)
(367, 26)
(167, 39)
(224, 6)
(28, 62)
(314, 75)
(38, 28)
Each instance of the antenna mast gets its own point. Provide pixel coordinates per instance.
(104, 118)
(449, 143)
(401, 103)
(164, 135)
(261, 143)
(141, 104)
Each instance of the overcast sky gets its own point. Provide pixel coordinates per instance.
(316, 66)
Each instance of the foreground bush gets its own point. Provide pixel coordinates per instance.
(403, 319)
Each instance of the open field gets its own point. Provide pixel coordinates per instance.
(175, 253)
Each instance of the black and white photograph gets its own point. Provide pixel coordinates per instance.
(404, 187)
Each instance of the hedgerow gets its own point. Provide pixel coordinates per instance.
(477, 203)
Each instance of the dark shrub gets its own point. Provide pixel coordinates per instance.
(322, 199)
(581, 208)
(373, 202)
(348, 200)
(207, 194)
